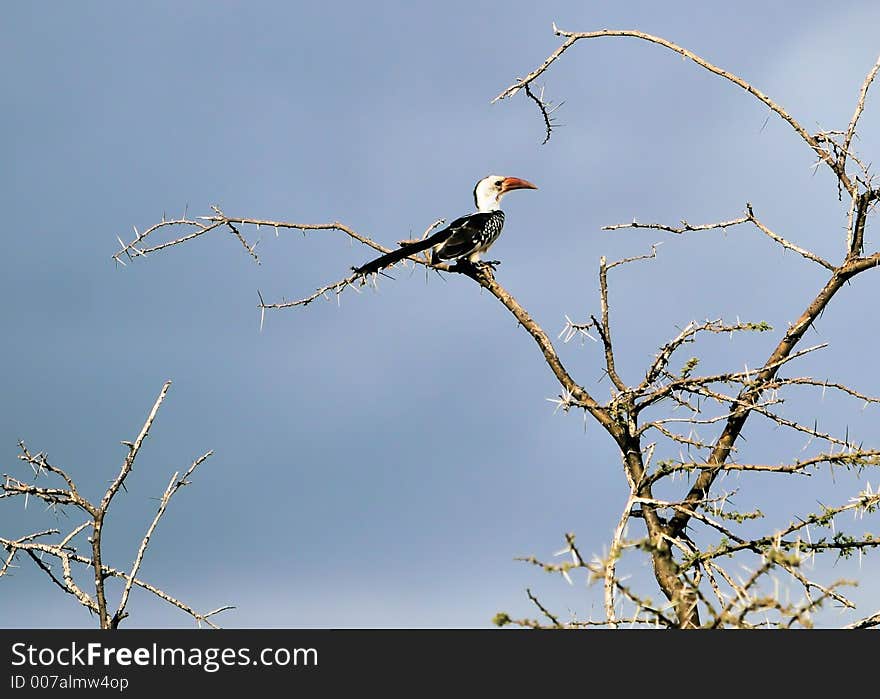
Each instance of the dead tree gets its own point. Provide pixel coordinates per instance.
(74, 561)
(696, 542)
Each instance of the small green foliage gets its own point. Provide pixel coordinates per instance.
(760, 327)
(501, 619)
(741, 517)
(855, 459)
(689, 560)
(689, 366)
(777, 555)
(673, 465)
(826, 519)
(845, 542)
(870, 502)
(713, 551)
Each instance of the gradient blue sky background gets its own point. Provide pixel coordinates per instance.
(381, 463)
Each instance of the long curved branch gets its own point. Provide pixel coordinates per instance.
(750, 394)
(573, 37)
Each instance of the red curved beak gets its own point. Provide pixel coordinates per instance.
(511, 183)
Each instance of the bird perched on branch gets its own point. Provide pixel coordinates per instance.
(467, 237)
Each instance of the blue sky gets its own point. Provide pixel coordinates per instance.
(382, 462)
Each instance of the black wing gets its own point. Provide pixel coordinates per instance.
(466, 234)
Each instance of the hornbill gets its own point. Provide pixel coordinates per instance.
(466, 238)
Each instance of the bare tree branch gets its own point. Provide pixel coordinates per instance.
(65, 550)
(750, 217)
(860, 106)
(572, 37)
(173, 486)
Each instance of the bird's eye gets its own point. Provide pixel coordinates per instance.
(498, 183)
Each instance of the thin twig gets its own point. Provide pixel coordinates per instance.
(860, 106)
(173, 486)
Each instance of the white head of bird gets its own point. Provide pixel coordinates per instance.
(489, 190)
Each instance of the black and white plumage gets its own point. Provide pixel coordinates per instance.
(466, 238)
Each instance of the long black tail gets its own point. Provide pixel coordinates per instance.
(390, 258)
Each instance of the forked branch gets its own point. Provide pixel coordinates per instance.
(66, 550)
